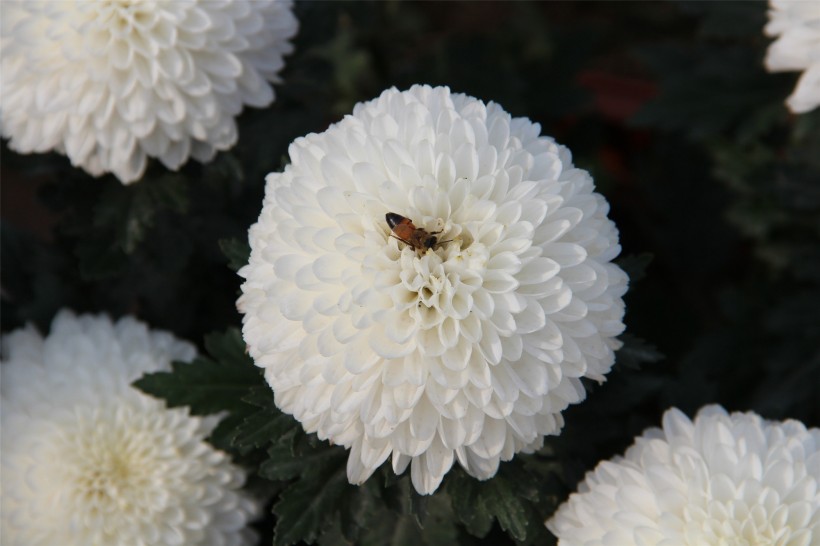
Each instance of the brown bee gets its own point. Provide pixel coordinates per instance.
(404, 230)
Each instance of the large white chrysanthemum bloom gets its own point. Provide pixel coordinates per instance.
(469, 349)
(733, 480)
(87, 460)
(112, 82)
(796, 24)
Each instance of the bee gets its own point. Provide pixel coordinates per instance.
(405, 231)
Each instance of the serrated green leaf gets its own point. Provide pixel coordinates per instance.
(363, 505)
(440, 525)
(261, 421)
(512, 497)
(332, 535)
(260, 396)
(222, 436)
(505, 503)
(230, 348)
(310, 503)
(207, 386)
(398, 531)
(237, 252)
(284, 464)
(262, 428)
(468, 504)
(204, 385)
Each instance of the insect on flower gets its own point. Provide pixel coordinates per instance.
(405, 231)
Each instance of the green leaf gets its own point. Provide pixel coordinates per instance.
(262, 424)
(507, 507)
(222, 436)
(129, 211)
(393, 529)
(468, 504)
(230, 349)
(284, 464)
(440, 525)
(262, 428)
(364, 505)
(388, 527)
(512, 497)
(207, 386)
(310, 503)
(260, 396)
(237, 251)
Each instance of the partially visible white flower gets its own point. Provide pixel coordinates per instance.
(87, 460)
(112, 82)
(796, 24)
(466, 351)
(723, 479)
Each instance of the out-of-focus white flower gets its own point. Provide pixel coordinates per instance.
(468, 350)
(722, 479)
(87, 460)
(112, 82)
(796, 24)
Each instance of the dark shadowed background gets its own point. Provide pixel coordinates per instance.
(714, 185)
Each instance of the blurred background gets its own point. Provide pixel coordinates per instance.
(713, 184)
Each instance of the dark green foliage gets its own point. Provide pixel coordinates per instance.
(236, 251)
(313, 488)
(511, 498)
(714, 186)
(206, 385)
(303, 508)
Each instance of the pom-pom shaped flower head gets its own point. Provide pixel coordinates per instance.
(112, 82)
(722, 479)
(87, 460)
(467, 347)
(796, 24)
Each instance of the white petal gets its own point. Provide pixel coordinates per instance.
(479, 340)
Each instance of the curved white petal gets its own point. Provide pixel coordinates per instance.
(110, 84)
(87, 459)
(718, 479)
(466, 350)
(796, 26)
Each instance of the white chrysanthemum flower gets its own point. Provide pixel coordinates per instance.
(721, 480)
(112, 82)
(87, 460)
(469, 349)
(796, 24)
